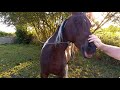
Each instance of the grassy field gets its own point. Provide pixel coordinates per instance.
(19, 61)
(22, 61)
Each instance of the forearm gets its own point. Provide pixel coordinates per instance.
(112, 51)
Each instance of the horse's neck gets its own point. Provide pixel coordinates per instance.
(63, 45)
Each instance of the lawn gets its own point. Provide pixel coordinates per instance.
(22, 61)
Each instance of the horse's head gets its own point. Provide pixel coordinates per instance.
(77, 30)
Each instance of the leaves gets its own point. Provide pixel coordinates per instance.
(44, 24)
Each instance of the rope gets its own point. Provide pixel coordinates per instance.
(55, 43)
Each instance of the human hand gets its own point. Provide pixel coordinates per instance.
(95, 40)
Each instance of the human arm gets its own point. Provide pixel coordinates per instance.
(112, 51)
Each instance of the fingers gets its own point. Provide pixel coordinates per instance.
(91, 38)
(95, 39)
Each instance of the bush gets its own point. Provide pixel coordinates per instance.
(2, 34)
(22, 36)
(110, 36)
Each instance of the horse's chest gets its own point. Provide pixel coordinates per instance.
(57, 62)
(56, 67)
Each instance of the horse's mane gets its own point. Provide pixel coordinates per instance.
(59, 37)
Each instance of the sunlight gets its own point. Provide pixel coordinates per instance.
(8, 29)
(98, 16)
(14, 70)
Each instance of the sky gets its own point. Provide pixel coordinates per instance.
(11, 29)
(98, 16)
(8, 29)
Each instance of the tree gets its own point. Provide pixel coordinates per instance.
(22, 36)
(44, 23)
(108, 16)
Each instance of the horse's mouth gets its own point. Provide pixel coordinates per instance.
(86, 55)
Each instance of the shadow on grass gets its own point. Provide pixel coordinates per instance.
(18, 61)
(27, 69)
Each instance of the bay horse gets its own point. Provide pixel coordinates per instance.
(54, 53)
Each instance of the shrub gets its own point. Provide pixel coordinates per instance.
(2, 34)
(110, 36)
(23, 36)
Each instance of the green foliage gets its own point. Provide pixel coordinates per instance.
(22, 36)
(43, 23)
(2, 34)
(110, 36)
(46, 23)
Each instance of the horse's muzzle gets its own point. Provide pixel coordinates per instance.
(88, 50)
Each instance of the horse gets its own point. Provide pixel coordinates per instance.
(55, 52)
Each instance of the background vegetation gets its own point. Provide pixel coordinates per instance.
(22, 60)
(2, 34)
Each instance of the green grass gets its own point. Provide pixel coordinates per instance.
(22, 61)
(93, 68)
(19, 61)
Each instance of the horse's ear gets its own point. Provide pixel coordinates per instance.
(77, 13)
